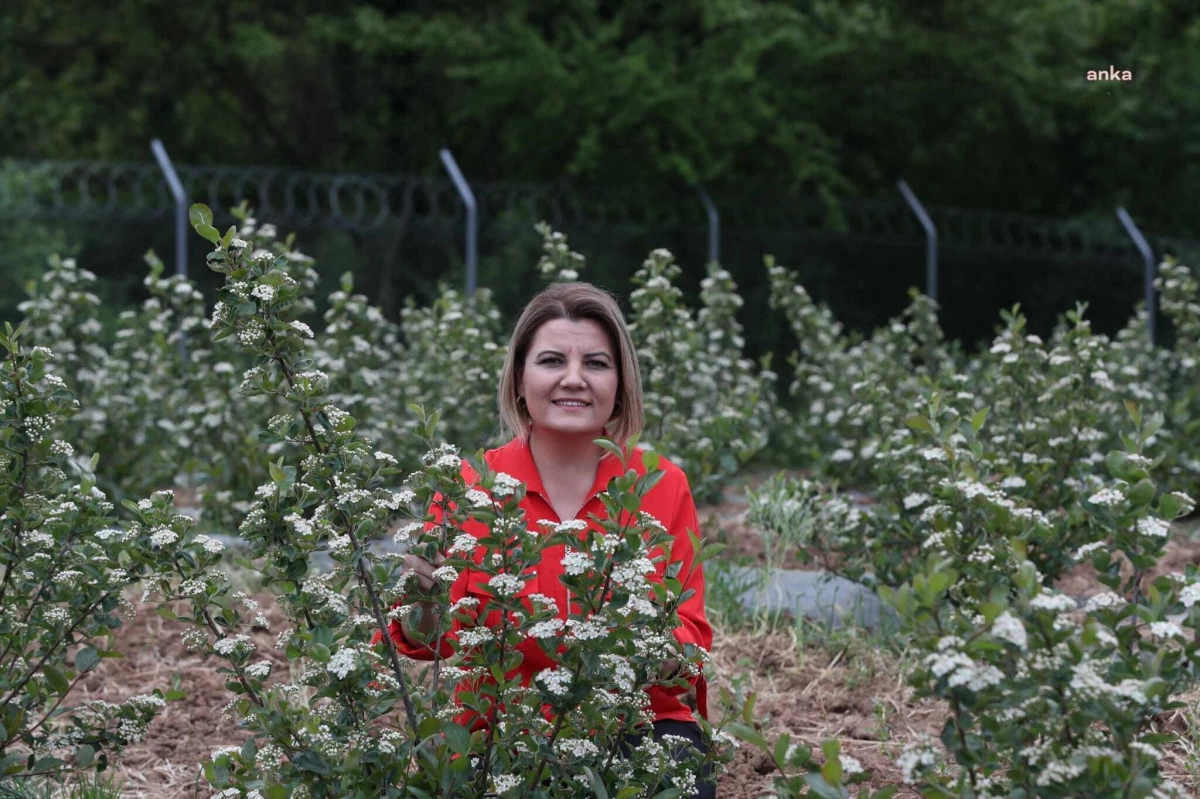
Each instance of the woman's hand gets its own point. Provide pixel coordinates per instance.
(424, 569)
(669, 671)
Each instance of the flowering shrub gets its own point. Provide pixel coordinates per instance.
(852, 393)
(1047, 699)
(66, 561)
(855, 394)
(331, 734)
(705, 405)
(1052, 410)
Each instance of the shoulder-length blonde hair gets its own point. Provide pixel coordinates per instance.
(574, 302)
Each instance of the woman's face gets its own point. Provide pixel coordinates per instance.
(569, 360)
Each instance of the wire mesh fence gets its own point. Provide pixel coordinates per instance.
(400, 235)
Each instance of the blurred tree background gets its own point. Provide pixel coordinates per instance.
(975, 103)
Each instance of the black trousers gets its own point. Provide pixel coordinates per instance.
(706, 785)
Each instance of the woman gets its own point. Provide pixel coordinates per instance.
(571, 376)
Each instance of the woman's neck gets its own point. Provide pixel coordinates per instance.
(567, 455)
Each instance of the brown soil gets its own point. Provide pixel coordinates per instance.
(854, 694)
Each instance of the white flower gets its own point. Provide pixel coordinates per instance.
(576, 562)
(503, 783)
(1055, 603)
(1166, 629)
(163, 536)
(225, 750)
(1013, 482)
(209, 544)
(850, 765)
(916, 757)
(1155, 528)
(463, 544)
(479, 499)
(506, 584)
(556, 680)
(342, 663)
(915, 501)
(1103, 601)
(579, 747)
(447, 574)
(546, 629)
(1008, 627)
(228, 646)
(1190, 595)
(1106, 497)
(505, 485)
(301, 328)
(1088, 549)
(841, 455)
(448, 461)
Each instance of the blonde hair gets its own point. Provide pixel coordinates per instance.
(574, 302)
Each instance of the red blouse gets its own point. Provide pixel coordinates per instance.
(670, 501)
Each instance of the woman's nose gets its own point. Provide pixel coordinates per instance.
(574, 375)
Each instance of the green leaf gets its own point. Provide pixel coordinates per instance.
(598, 789)
(919, 423)
(84, 756)
(277, 474)
(86, 658)
(457, 738)
(611, 447)
(200, 214)
(58, 681)
(12, 764)
(822, 788)
(978, 419)
(310, 761)
(748, 734)
(209, 232)
(46, 764)
(1142, 493)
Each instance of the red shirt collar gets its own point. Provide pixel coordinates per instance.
(516, 459)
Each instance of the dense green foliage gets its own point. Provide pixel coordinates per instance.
(977, 103)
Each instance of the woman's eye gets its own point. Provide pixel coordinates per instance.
(601, 364)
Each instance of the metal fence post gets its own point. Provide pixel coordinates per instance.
(181, 221)
(714, 225)
(931, 265)
(1148, 258)
(468, 198)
